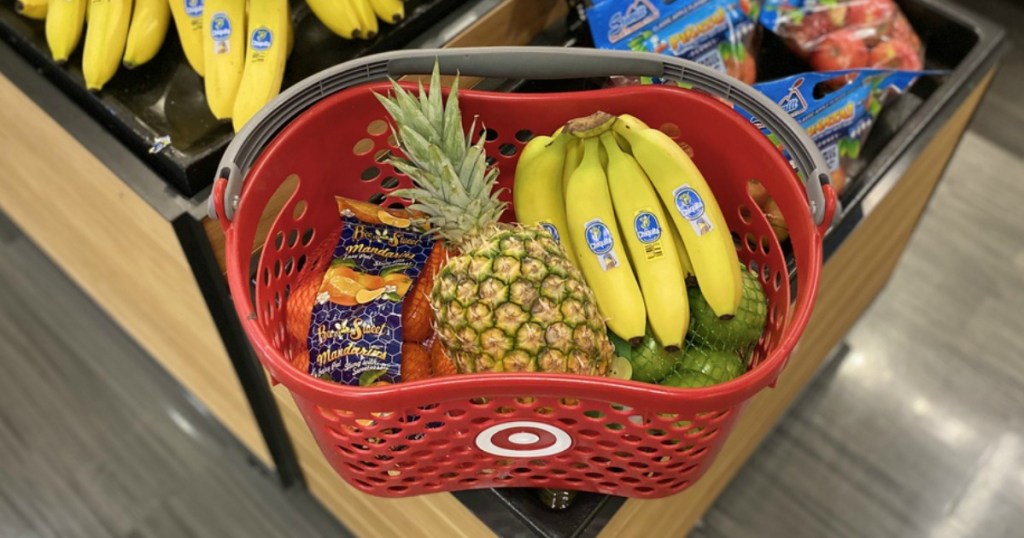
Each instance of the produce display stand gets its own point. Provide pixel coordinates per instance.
(149, 256)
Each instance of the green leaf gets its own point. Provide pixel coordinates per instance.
(370, 377)
(343, 262)
(326, 376)
(854, 150)
(393, 297)
(402, 267)
(874, 108)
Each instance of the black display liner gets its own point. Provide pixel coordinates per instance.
(166, 97)
(956, 40)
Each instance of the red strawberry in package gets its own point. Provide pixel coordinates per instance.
(846, 34)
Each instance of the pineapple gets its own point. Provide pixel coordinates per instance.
(510, 301)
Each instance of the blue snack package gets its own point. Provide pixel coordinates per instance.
(839, 121)
(716, 33)
(355, 334)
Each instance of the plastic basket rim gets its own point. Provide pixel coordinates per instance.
(471, 385)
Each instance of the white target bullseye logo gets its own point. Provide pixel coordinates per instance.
(523, 439)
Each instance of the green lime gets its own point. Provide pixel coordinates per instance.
(737, 333)
(687, 379)
(720, 366)
(651, 363)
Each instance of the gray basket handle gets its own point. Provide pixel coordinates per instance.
(523, 63)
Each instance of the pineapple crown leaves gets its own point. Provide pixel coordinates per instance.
(453, 186)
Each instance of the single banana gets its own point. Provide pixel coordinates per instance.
(224, 53)
(147, 31)
(389, 11)
(367, 20)
(694, 211)
(599, 248)
(651, 249)
(684, 259)
(188, 19)
(338, 16)
(537, 193)
(105, 37)
(64, 22)
(573, 155)
(33, 9)
(264, 59)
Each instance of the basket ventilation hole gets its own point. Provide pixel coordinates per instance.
(491, 161)
(289, 265)
(278, 240)
(277, 268)
(490, 134)
(293, 238)
(778, 280)
(524, 135)
(307, 237)
(299, 210)
(390, 182)
(751, 242)
(376, 198)
(766, 246)
(382, 155)
(392, 141)
(377, 128)
(507, 149)
(766, 273)
(745, 214)
(671, 129)
(363, 147)
(370, 174)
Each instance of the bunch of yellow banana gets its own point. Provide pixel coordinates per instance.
(608, 188)
(128, 32)
(357, 19)
(239, 47)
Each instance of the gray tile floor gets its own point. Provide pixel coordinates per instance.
(916, 432)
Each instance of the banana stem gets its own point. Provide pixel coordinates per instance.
(590, 126)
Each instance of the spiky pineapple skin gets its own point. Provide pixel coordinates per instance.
(514, 303)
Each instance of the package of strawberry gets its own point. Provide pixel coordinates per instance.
(845, 34)
(717, 33)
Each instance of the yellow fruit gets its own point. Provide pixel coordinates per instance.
(391, 220)
(365, 296)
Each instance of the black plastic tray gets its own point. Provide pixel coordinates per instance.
(955, 39)
(165, 97)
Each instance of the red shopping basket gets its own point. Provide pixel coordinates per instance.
(512, 430)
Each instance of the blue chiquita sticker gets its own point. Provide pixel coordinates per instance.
(220, 27)
(262, 39)
(551, 230)
(600, 242)
(647, 227)
(194, 8)
(691, 206)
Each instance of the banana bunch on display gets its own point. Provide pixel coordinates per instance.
(636, 215)
(357, 19)
(116, 32)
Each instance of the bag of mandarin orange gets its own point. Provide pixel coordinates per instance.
(345, 314)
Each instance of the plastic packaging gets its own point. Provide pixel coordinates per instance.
(717, 33)
(838, 120)
(845, 34)
(355, 334)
